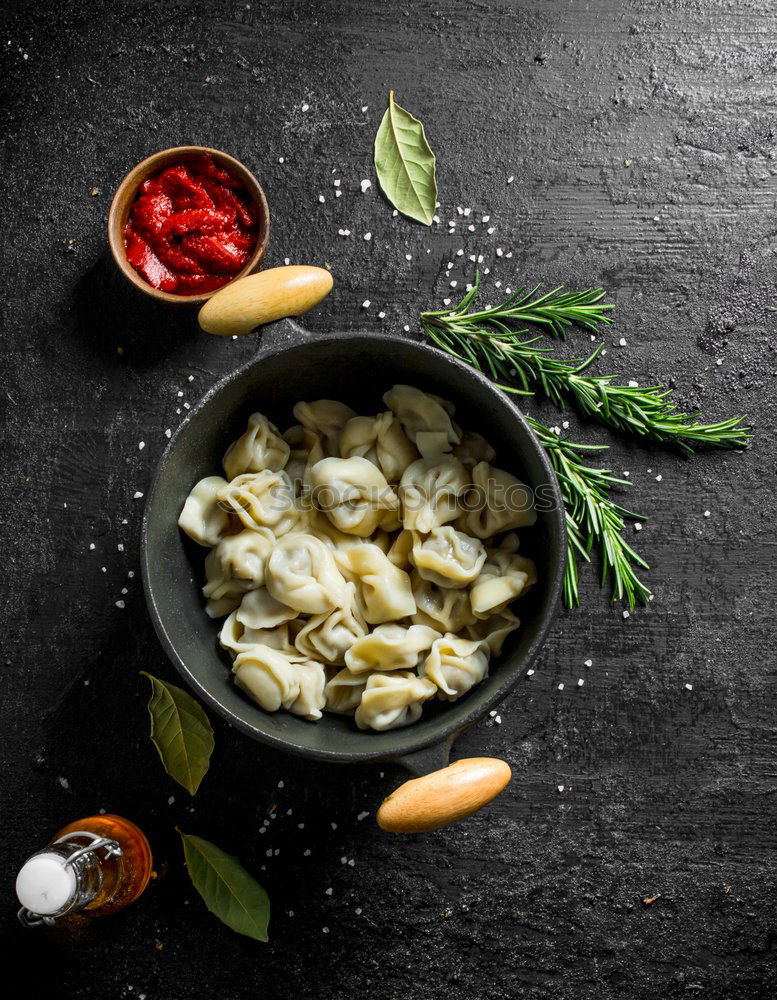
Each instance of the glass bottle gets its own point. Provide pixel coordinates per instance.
(97, 865)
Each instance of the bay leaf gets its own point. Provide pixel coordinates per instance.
(181, 732)
(229, 892)
(405, 164)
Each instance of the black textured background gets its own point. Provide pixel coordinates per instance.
(641, 136)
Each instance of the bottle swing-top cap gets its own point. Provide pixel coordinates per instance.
(63, 877)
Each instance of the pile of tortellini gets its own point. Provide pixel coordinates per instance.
(355, 558)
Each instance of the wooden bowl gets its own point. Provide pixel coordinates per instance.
(125, 196)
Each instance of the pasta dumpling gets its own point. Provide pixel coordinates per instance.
(259, 609)
(354, 494)
(302, 574)
(504, 577)
(419, 412)
(237, 638)
(260, 447)
(455, 665)
(203, 518)
(440, 607)
(390, 647)
(429, 490)
(448, 557)
(233, 567)
(330, 635)
(385, 590)
(494, 630)
(381, 441)
(262, 499)
(497, 502)
(305, 450)
(326, 418)
(276, 680)
(393, 700)
(344, 691)
(473, 448)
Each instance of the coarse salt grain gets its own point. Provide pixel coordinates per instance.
(321, 198)
(689, 687)
(366, 304)
(368, 237)
(659, 478)
(530, 672)
(706, 513)
(510, 179)
(119, 604)
(168, 433)
(141, 445)
(408, 256)
(588, 663)
(622, 342)
(306, 107)
(580, 681)
(336, 182)
(91, 546)
(626, 614)
(381, 315)
(560, 788)
(137, 495)
(365, 185)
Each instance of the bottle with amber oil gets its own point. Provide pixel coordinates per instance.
(96, 865)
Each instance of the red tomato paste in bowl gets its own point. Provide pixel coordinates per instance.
(191, 228)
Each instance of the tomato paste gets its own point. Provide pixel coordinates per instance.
(191, 228)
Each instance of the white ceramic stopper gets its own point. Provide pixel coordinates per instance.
(45, 884)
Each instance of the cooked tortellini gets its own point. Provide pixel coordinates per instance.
(505, 576)
(233, 567)
(302, 573)
(430, 491)
(326, 419)
(274, 680)
(455, 665)
(393, 700)
(385, 590)
(497, 502)
(390, 647)
(330, 635)
(420, 413)
(381, 441)
(261, 447)
(262, 500)
(448, 557)
(362, 562)
(354, 495)
(203, 518)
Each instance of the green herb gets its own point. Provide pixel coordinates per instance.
(592, 517)
(229, 892)
(405, 164)
(181, 732)
(493, 341)
(488, 340)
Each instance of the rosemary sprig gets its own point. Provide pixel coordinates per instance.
(489, 342)
(592, 517)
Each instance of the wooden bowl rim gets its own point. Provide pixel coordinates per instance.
(125, 194)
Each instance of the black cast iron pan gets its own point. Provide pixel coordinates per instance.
(357, 368)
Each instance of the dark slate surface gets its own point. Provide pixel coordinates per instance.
(641, 138)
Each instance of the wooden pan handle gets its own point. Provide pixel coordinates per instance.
(444, 796)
